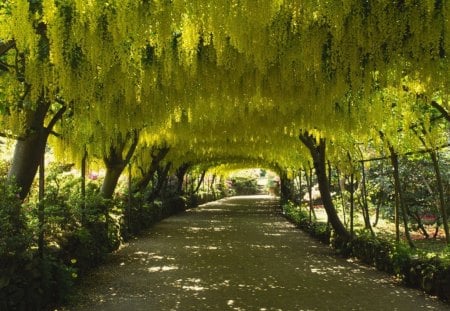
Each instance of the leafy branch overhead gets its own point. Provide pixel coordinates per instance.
(222, 81)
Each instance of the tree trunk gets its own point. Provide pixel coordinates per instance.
(115, 164)
(377, 215)
(157, 155)
(300, 185)
(28, 152)
(213, 189)
(200, 181)
(365, 204)
(130, 196)
(399, 197)
(352, 204)
(379, 201)
(113, 172)
(112, 176)
(180, 173)
(442, 206)
(420, 225)
(318, 154)
(285, 188)
(163, 173)
(41, 206)
(312, 213)
(440, 186)
(341, 192)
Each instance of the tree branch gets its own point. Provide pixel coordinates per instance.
(55, 134)
(5, 67)
(56, 118)
(441, 109)
(132, 147)
(6, 46)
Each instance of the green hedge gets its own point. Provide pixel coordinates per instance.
(300, 218)
(29, 281)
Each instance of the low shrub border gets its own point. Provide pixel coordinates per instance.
(424, 271)
(29, 282)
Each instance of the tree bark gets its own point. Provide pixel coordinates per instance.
(29, 150)
(300, 185)
(442, 202)
(399, 196)
(41, 206)
(200, 181)
(163, 173)
(365, 203)
(112, 176)
(441, 109)
(212, 186)
(341, 192)
(434, 158)
(352, 204)
(285, 188)
(180, 173)
(157, 155)
(312, 213)
(317, 151)
(115, 164)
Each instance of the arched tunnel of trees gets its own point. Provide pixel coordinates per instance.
(116, 114)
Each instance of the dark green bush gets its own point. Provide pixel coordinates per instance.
(245, 186)
(300, 218)
(84, 248)
(27, 280)
(79, 231)
(32, 283)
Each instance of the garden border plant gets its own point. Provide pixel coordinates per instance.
(78, 237)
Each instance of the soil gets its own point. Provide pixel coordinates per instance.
(238, 254)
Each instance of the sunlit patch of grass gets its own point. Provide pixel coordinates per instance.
(431, 245)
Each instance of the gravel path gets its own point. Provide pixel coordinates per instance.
(238, 254)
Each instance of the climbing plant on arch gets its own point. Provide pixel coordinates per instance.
(228, 78)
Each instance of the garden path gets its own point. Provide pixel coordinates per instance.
(238, 254)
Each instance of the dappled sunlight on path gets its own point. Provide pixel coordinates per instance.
(238, 254)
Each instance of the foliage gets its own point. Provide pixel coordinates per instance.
(191, 79)
(26, 279)
(320, 231)
(178, 74)
(244, 186)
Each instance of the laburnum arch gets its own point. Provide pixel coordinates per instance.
(290, 82)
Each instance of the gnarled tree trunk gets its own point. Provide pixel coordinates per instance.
(115, 163)
(161, 182)
(317, 151)
(157, 155)
(30, 149)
